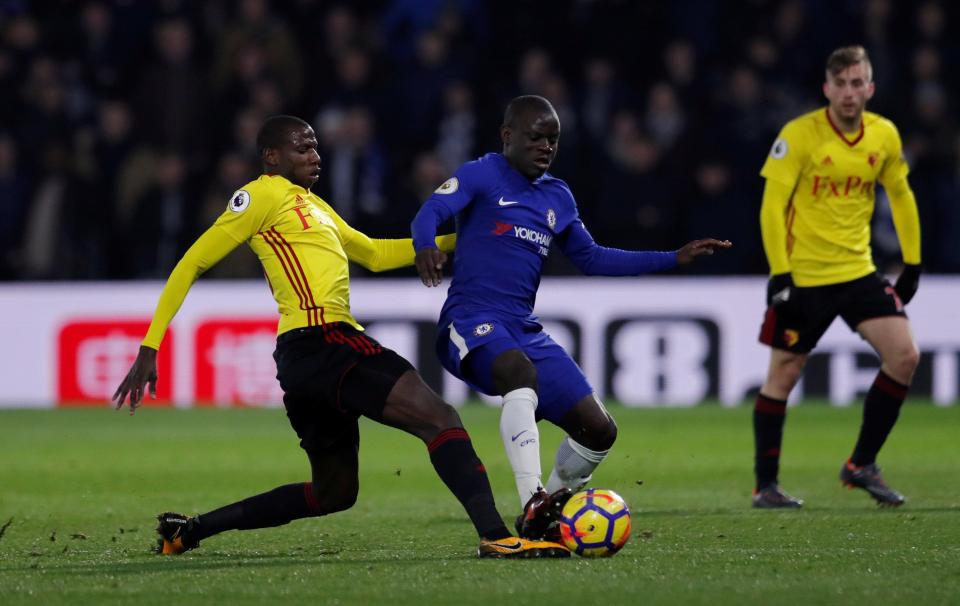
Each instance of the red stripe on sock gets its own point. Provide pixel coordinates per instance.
(890, 387)
(772, 452)
(447, 435)
(770, 406)
(312, 501)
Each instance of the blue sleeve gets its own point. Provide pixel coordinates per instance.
(447, 200)
(595, 260)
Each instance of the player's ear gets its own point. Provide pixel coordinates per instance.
(270, 156)
(871, 88)
(826, 87)
(506, 133)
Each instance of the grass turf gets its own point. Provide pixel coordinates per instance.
(82, 486)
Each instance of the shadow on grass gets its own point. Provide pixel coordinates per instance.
(222, 561)
(866, 509)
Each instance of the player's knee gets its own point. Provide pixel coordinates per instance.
(905, 363)
(341, 498)
(437, 417)
(601, 436)
(787, 374)
(596, 434)
(445, 417)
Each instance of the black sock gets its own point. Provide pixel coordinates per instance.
(880, 411)
(768, 417)
(274, 508)
(458, 466)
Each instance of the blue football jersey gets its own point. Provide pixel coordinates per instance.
(505, 227)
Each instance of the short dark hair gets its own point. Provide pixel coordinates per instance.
(845, 56)
(275, 131)
(523, 105)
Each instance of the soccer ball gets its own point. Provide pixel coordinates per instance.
(595, 523)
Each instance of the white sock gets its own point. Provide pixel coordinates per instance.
(521, 440)
(574, 466)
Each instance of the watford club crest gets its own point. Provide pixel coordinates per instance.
(872, 158)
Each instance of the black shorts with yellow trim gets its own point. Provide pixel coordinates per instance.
(798, 324)
(330, 376)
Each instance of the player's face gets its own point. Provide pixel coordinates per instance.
(297, 159)
(849, 91)
(531, 146)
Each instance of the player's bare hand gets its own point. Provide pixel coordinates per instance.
(698, 248)
(429, 262)
(143, 373)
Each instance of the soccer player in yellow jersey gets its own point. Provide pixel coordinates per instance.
(330, 372)
(821, 179)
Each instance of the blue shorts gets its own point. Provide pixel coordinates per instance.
(485, 335)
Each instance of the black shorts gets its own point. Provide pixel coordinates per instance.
(330, 375)
(798, 324)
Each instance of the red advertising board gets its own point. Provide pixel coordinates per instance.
(234, 362)
(93, 357)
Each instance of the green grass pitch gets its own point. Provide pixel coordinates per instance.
(82, 486)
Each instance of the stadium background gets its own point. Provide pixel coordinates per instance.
(125, 126)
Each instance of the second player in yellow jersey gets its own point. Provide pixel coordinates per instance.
(822, 176)
(820, 193)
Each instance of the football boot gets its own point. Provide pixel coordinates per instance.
(773, 497)
(173, 528)
(515, 547)
(870, 479)
(541, 515)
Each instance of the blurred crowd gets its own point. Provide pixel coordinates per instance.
(125, 125)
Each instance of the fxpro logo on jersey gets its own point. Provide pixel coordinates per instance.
(834, 188)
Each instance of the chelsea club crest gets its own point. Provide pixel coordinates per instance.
(551, 218)
(483, 329)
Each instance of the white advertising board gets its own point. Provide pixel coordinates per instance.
(643, 341)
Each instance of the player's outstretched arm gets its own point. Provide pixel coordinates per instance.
(698, 248)
(143, 373)
(382, 254)
(213, 245)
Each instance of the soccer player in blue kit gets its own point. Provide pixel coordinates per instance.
(509, 211)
